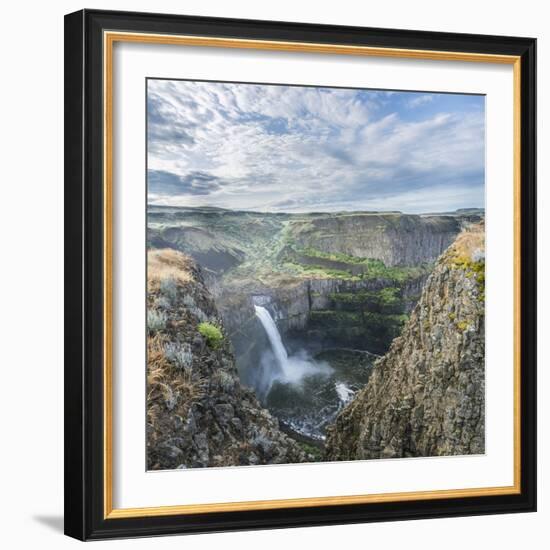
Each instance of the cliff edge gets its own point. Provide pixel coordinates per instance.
(425, 397)
(198, 413)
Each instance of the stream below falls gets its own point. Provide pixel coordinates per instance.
(307, 392)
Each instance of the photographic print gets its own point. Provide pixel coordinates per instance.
(278, 307)
(315, 274)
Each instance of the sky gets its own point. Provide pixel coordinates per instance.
(275, 148)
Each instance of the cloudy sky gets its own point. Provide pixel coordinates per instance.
(295, 149)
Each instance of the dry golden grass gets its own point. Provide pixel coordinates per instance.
(167, 264)
(158, 369)
(469, 242)
(167, 383)
(188, 388)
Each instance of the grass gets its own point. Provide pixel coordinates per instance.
(166, 264)
(157, 369)
(468, 254)
(388, 298)
(371, 268)
(189, 388)
(168, 386)
(320, 271)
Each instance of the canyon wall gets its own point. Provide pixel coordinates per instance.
(393, 238)
(425, 397)
(198, 412)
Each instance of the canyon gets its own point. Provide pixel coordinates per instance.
(426, 396)
(307, 305)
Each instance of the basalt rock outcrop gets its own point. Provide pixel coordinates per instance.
(393, 238)
(425, 397)
(198, 412)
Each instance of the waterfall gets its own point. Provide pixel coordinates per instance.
(274, 338)
(289, 369)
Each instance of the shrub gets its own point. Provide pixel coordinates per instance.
(198, 313)
(188, 301)
(180, 355)
(163, 303)
(225, 380)
(168, 288)
(212, 333)
(156, 320)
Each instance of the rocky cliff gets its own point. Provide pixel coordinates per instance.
(395, 239)
(198, 413)
(322, 314)
(425, 397)
(221, 240)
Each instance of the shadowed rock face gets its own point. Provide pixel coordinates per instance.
(198, 413)
(395, 239)
(425, 397)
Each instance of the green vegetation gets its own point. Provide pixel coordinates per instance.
(212, 333)
(473, 269)
(386, 300)
(462, 326)
(312, 450)
(156, 320)
(330, 318)
(352, 267)
(354, 328)
(324, 272)
(356, 317)
(334, 256)
(389, 296)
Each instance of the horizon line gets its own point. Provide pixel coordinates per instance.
(359, 211)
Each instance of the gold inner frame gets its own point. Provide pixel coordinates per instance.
(109, 39)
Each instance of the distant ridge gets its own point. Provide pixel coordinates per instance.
(457, 212)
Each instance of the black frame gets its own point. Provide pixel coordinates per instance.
(84, 274)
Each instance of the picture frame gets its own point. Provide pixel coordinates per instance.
(90, 173)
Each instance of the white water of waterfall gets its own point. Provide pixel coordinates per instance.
(289, 369)
(274, 338)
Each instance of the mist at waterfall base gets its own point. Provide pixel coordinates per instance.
(306, 393)
(276, 364)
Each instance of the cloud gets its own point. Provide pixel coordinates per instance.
(419, 100)
(160, 183)
(291, 148)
